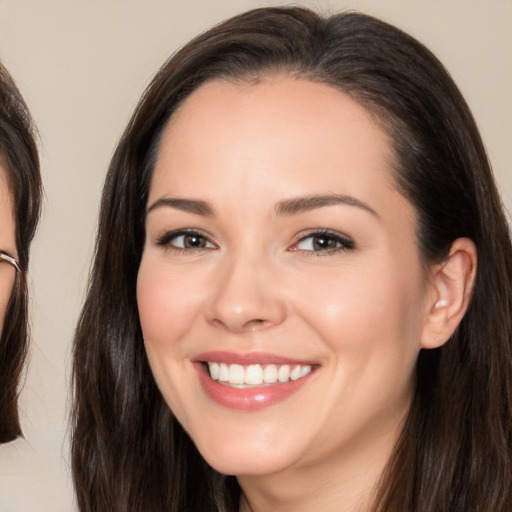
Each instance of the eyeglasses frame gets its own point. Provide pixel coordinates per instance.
(5, 257)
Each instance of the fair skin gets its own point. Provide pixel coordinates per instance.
(275, 237)
(7, 244)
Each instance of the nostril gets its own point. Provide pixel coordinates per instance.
(255, 323)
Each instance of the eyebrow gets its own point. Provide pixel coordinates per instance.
(286, 207)
(297, 205)
(187, 205)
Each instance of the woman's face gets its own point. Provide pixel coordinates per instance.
(7, 244)
(280, 292)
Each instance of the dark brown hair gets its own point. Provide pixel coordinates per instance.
(129, 452)
(19, 161)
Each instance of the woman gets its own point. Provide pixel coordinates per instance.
(301, 295)
(20, 202)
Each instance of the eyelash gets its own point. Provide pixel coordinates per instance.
(166, 239)
(343, 242)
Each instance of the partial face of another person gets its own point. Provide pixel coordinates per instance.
(281, 292)
(7, 245)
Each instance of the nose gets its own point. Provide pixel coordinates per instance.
(246, 297)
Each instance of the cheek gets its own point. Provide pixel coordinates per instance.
(167, 311)
(370, 322)
(167, 303)
(6, 289)
(365, 310)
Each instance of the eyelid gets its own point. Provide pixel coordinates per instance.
(165, 239)
(347, 242)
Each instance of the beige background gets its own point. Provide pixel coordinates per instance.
(81, 66)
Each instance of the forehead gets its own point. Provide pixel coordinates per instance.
(278, 123)
(276, 98)
(253, 143)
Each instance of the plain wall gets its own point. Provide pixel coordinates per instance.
(82, 66)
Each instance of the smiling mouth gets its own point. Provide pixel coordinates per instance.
(256, 375)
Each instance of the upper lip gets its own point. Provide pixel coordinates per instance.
(248, 358)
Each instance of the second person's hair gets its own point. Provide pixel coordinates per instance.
(19, 162)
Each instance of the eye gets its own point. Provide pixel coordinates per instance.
(185, 240)
(324, 241)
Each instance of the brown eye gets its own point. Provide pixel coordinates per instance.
(324, 242)
(193, 241)
(185, 241)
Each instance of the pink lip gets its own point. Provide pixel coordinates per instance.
(247, 399)
(248, 358)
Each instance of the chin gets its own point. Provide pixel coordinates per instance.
(239, 467)
(232, 460)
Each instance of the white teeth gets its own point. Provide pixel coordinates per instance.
(236, 374)
(305, 370)
(270, 374)
(253, 374)
(256, 374)
(284, 373)
(224, 372)
(295, 373)
(214, 370)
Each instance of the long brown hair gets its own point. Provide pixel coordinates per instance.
(129, 453)
(20, 161)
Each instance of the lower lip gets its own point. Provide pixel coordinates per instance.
(248, 399)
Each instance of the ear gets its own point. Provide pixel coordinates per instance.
(451, 285)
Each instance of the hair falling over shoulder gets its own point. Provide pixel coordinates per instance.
(455, 451)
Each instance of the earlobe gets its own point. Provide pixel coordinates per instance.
(451, 286)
